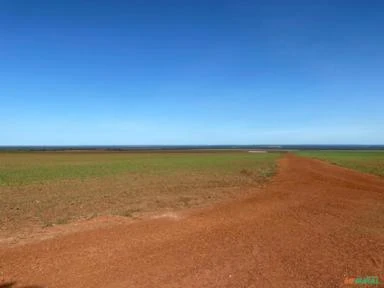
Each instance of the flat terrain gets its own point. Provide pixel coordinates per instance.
(313, 225)
(41, 189)
(364, 161)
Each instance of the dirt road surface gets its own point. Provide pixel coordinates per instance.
(314, 225)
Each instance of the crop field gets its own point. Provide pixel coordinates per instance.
(47, 188)
(371, 162)
(314, 225)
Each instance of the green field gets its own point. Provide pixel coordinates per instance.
(38, 167)
(371, 162)
(46, 188)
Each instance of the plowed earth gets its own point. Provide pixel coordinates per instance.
(313, 225)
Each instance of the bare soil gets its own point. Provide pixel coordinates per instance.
(313, 225)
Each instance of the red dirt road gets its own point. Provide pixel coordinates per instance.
(312, 226)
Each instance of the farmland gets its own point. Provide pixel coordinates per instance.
(40, 189)
(371, 162)
(312, 217)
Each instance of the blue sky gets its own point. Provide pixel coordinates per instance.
(191, 72)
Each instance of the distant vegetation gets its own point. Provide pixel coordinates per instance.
(364, 161)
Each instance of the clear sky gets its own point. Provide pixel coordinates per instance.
(191, 72)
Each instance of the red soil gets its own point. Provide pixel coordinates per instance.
(312, 226)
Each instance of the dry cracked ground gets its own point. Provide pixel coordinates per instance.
(313, 225)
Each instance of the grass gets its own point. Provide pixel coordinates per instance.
(371, 162)
(48, 188)
(29, 168)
